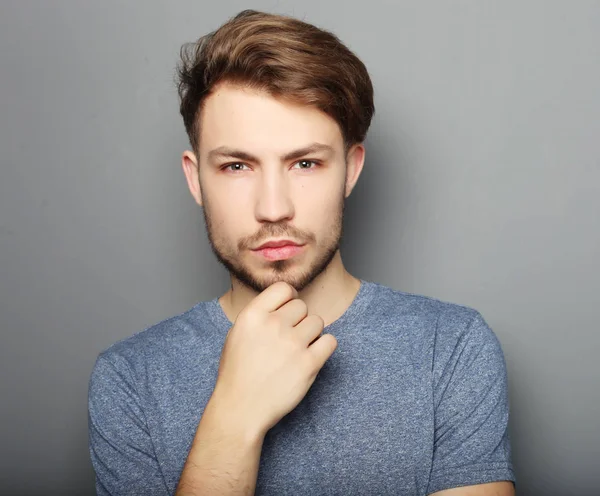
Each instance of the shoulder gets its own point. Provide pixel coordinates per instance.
(161, 341)
(445, 327)
(446, 317)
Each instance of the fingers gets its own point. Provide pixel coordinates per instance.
(292, 312)
(309, 329)
(275, 296)
(321, 350)
(282, 298)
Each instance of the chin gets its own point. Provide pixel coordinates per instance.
(259, 280)
(297, 272)
(292, 277)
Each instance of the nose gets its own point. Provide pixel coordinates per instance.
(273, 202)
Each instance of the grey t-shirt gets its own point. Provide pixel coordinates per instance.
(413, 401)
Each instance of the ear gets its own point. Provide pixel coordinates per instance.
(189, 162)
(355, 159)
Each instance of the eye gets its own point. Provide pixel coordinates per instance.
(235, 167)
(305, 164)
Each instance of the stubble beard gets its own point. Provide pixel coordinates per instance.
(279, 270)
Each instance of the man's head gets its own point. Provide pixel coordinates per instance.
(276, 111)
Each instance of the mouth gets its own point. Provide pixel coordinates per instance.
(278, 244)
(279, 250)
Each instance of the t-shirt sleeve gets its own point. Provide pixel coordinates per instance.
(471, 440)
(121, 449)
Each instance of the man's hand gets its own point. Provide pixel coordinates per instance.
(269, 360)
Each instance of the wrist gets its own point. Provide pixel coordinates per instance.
(226, 419)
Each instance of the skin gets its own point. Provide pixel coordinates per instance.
(274, 198)
(253, 190)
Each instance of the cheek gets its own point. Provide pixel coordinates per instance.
(231, 224)
(223, 217)
(228, 208)
(320, 210)
(323, 188)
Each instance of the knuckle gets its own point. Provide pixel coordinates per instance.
(302, 306)
(318, 321)
(248, 315)
(285, 289)
(273, 321)
(332, 340)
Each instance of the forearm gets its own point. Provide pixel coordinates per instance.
(223, 459)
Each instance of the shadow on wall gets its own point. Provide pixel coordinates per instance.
(379, 209)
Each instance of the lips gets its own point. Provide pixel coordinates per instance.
(278, 244)
(282, 249)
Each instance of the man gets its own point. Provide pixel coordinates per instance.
(300, 379)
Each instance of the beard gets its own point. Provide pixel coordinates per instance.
(278, 270)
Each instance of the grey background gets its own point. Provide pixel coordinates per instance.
(481, 187)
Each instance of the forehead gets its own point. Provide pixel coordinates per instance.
(257, 122)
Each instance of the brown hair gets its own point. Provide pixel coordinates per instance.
(284, 56)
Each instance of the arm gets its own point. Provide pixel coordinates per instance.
(224, 456)
(121, 448)
(223, 459)
(472, 453)
(270, 359)
(503, 488)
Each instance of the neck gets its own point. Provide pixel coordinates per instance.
(329, 295)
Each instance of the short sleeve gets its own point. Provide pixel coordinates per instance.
(471, 440)
(121, 449)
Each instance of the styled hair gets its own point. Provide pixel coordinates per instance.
(287, 58)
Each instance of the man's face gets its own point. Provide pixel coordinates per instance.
(270, 171)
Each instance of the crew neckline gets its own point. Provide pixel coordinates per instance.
(356, 308)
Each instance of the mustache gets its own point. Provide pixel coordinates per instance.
(272, 230)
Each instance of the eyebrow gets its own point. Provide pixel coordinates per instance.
(226, 152)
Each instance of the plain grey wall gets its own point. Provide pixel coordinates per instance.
(481, 187)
